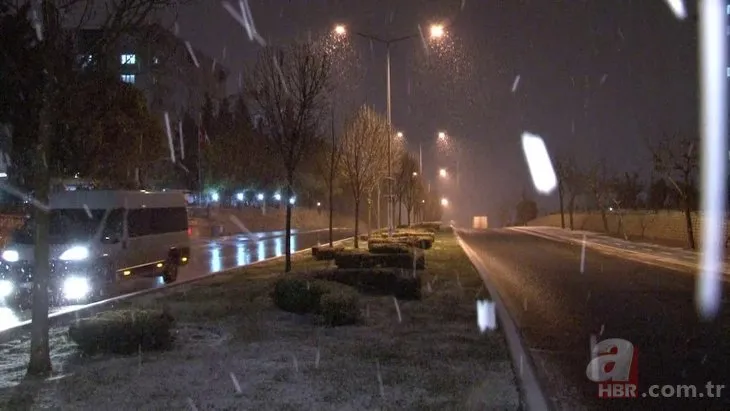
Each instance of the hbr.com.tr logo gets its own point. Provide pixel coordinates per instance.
(615, 367)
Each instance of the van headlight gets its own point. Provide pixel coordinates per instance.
(10, 256)
(75, 253)
(6, 288)
(75, 288)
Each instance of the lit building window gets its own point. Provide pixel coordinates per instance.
(129, 59)
(128, 78)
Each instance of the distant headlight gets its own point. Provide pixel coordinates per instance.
(10, 256)
(75, 254)
(75, 288)
(6, 288)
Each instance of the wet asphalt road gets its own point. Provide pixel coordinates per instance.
(557, 309)
(207, 256)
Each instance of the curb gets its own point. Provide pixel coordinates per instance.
(638, 256)
(530, 386)
(57, 318)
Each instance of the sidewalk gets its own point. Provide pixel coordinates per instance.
(663, 256)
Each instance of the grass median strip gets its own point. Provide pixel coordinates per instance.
(234, 349)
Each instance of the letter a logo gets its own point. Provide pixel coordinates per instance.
(612, 361)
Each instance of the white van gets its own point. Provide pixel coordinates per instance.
(97, 238)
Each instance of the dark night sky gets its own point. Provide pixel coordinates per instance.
(560, 49)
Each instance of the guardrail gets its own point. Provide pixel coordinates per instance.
(61, 317)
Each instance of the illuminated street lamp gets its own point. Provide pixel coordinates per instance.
(415, 174)
(442, 173)
(442, 135)
(437, 31)
(260, 196)
(399, 134)
(445, 202)
(277, 197)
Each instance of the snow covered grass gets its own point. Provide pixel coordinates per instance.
(235, 350)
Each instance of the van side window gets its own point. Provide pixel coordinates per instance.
(151, 221)
(169, 220)
(114, 228)
(139, 220)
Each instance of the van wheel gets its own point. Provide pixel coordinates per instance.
(170, 273)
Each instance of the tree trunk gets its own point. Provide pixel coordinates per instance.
(331, 216)
(562, 207)
(332, 170)
(370, 208)
(408, 213)
(688, 222)
(604, 219)
(400, 211)
(379, 208)
(287, 232)
(40, 360)
(571, 210)
(357, 221)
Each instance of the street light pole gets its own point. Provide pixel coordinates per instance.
(437, 31)
(390, 137)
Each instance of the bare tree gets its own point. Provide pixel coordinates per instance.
(676, 158)
(56, 25)
(364, 154)
(327, 162)
(408, 183)
(599, 185)
(573, 182)
(562, 171)
(290, 86)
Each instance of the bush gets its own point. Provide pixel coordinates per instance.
(388, 248)
(123, 331)
(365, 259)
(326, 252)
(431, 227)
(306, 294)
(339, 307)
(403, 284)
(424, 242)
(296, 295)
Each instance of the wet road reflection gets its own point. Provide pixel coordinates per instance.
(207, 256)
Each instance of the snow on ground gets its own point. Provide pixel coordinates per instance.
(273, 357)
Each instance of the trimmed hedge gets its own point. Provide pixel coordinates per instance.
(335, 302)
(365, 259)
(339, 307)
(432, 227)
(326, 252)
(388, 248)
(123, 331)
(424, 243)
(403, 284)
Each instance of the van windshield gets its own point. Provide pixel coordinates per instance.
(66, 226)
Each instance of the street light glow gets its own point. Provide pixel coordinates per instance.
(445, 202)
(340, 29)
(415, 174)
(442, 172)
(442, 135)
(399, 134)
(437, 31)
